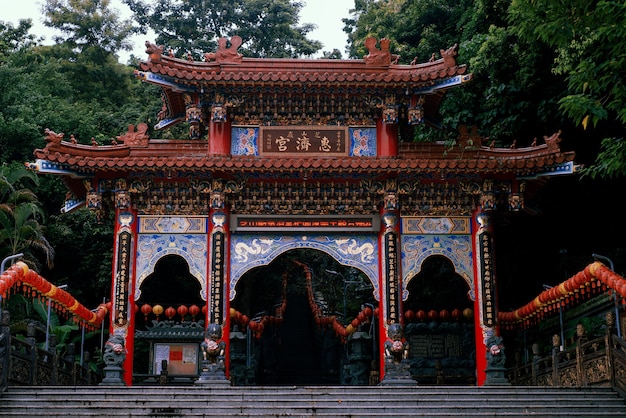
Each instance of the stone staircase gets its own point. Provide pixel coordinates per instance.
(309, 401)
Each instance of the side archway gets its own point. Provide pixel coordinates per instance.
(152, 247)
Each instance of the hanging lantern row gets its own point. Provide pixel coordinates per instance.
(318, 314)
(183, 311)
(19, 277)
(443, 315)
(594, 279)
(257, 326)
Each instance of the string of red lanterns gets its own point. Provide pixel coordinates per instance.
(258, 325)
(19, 277)
(170, 312)
(593, 279)
(442, 315)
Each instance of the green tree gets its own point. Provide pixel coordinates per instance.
(417, 29)
(21, 217)
(84, 254)
(588, 39)
(268, 29)
(88, 24)
(15, 38)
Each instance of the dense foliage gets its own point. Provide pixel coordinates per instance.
(269, 29)
(538, 67)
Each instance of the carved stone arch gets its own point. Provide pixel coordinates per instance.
(249, 251)
(152, 247)
(456, 248)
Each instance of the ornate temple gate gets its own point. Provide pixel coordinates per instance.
(285, 154)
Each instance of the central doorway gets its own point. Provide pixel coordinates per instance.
(305, 299)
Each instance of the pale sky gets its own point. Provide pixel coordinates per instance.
(326, 14)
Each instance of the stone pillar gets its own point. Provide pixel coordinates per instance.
(393, 368)
(122, 289)
(490, 366)
(215, 347)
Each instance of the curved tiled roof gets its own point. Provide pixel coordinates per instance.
(377, 67)
(229, 74)
(193, 156)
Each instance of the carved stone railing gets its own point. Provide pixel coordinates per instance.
(22, 363)
(594, 362)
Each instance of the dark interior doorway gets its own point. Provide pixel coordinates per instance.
(296, 347)
(170, 285)
(439, 324)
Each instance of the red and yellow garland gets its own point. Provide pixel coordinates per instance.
(19, 277)
(595, 278)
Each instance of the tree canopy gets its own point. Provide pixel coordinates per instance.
(269, 29)
(539, 66)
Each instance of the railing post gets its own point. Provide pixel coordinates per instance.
(608, 341)
(54, 379)
(5, 350)
(32, 353)
(556, 348)
(581, 379)
(536, 357)
(70, 357)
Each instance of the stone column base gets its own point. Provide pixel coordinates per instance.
(113, 376)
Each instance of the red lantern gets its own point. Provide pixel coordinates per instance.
(194, 310)
(409, 315)
(421, 315)
(170, 312)
(456, 314)
(182, 311)
(444, 314)
(433, 315)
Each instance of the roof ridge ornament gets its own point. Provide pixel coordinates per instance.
(379, 57)
(135, 137)
(155, 52)
(226, 54)
(449, 55)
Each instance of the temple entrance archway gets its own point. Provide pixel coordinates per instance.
(164, 291)
(299, 298)
(440, 324)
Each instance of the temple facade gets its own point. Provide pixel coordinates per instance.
(299, 184)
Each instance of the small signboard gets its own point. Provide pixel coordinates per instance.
(182, 358)
(283, 223)
(304, 140)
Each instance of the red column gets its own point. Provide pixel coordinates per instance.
(485, 304)
(219, 138)
(122, 315)
(390, 277)
(218, 283)
(386, 139)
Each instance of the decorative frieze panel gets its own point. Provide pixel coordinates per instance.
(251, 250)
(309, 193)
(172, 225)
(433, 225)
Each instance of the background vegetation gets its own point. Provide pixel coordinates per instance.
(539, 66)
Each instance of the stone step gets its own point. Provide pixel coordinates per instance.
(337, 401)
